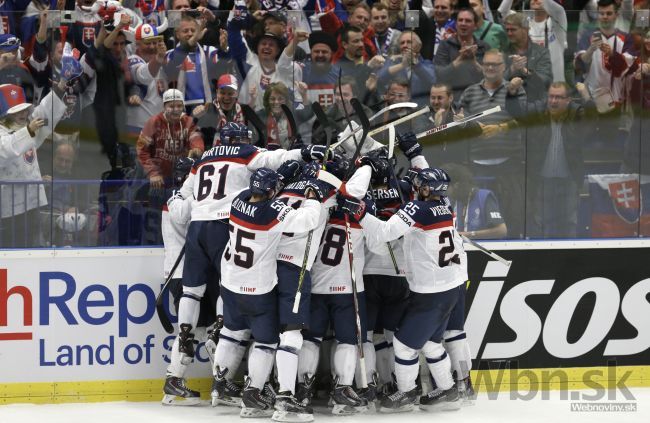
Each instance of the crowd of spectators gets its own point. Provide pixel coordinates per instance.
(134, 85)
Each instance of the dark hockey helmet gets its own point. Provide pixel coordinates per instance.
(310, 170)
(339, 166)
(436, 179)
(264, 180)
(182, 168)
(381, 175)
(235, 133)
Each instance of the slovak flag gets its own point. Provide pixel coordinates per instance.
(620, 205)
(12, 99)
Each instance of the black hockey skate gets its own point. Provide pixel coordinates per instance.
(289, 409)
(399, 402)
(369, 394)
(345, 400)
(225, 391)
(441, 400)
(269, 392)
(186, 343)
(177, 393)
(466, 391)
(305, 389)
(254, 402)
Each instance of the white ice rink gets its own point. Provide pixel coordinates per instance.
(553, 410)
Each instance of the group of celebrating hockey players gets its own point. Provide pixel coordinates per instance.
(286, 258)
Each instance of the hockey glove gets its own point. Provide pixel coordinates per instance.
(352, 206)
(378, 164)
(315, 191)
(289, 171)
(314, 152)
(409, 145)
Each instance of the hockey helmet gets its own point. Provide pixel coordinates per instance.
(264, 180)
(436, 179)
(235, 133)
(181, 168)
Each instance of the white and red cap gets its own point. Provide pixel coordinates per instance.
(145, 32)
(173, 95)
(228, 81)
(12, 99)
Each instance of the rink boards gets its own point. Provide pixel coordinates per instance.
(80, 325)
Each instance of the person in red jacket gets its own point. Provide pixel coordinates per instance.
(359, 16)
(165, 138)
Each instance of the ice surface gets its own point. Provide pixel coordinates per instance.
(499, 410)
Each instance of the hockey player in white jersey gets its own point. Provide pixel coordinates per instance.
(384, 279)
(249, 279)
(436, 268)
(174, 223)
(214, 181)
(291, 259)
(332, 304)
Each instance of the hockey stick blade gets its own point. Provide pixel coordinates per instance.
(384, 127)
(365, 125)
(463, 121)
(324, 122)
(289, 114)
(325, 176)
(486, 251)
(255, 120)
(405, 105)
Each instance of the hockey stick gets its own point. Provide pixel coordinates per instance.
(458, 123)
(365, 127)
(385, 127)
(160, 307)
(322, 119)
(486, 251)
(303, 270)
(358, 108)
(257, 123)
(365, 122)
(292, 123)
(405, 105)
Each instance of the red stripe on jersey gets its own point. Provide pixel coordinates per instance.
(165, 208)
(291, 194)
(228, 159)
(341, 222)
(253, 226)
(324, 86)
(438, 225)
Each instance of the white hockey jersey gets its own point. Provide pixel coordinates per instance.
(331, 270)
(223, 172)
(379, 261)
(175, 221)
(249, 265)
(434, 253)
(292, 245)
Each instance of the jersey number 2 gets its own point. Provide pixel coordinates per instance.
(244, 255)
(443, 261)
(205, 182)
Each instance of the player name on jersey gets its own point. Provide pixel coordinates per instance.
(245, 208)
